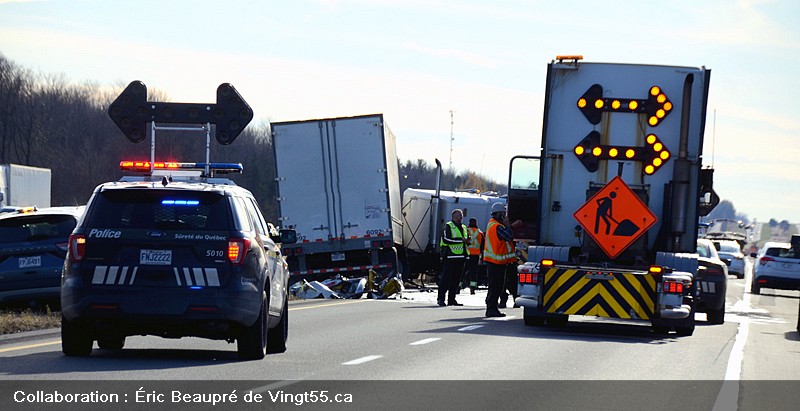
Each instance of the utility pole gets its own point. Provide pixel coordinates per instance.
(451, 139)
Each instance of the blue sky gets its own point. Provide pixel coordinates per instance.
(416, 60)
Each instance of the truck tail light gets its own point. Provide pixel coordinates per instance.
(237, 250)
(526, 274)
(529, 278)
(548, 262)
(77, 247)
(673, 287)
(382, 244)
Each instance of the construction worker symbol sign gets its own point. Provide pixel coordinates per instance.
(615, 217)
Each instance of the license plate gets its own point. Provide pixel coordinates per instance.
(27, 262)
(155, 257)
(337, 257)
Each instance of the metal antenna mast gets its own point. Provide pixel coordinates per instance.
(451, 139)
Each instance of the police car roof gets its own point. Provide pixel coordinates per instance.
(221, 185)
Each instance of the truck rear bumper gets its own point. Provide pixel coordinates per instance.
(676, 313)
(527, 301)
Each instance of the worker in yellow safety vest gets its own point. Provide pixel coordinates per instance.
(453, 246)
(474, 251)
(500, 258)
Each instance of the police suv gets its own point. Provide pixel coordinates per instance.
(174, 255)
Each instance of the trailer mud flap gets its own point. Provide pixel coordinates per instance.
(590, 293)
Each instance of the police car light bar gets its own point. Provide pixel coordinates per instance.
(144, 166)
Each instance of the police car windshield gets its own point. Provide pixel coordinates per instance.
(160, 209)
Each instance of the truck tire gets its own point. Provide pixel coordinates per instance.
(716, 316)
(558, 320)
(75, 339)
(533, 317)
(684, 331)
(277, 336)
(661, 329)
(252, 344)
(111, 343)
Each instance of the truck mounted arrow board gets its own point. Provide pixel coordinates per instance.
(131, 112)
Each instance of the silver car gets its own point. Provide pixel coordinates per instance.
(731, 253)
(777, 266)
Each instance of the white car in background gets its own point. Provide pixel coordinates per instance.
(777, 266)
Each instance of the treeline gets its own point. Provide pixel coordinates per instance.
(47, 121)
(421, 174)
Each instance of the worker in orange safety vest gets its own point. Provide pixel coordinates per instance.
(474, 249)
(499, 256)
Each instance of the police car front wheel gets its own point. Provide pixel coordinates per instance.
(252, 344)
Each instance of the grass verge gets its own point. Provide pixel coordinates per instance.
(17, 321)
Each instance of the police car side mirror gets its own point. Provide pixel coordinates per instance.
(286, 236)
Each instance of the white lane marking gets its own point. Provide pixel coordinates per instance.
(506, 318)
(425, 341)
(728, 397)
(470, 328)
(362, 360)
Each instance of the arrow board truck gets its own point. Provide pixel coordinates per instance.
(23, 186)
(611, 203)
(338, 188)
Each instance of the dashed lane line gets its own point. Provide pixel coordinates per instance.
(425, 341)
(470, 328)
(362, 360)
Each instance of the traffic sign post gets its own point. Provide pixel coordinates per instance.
(615, 217)
(131, 112)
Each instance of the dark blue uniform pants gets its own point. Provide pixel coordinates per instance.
(448, 281)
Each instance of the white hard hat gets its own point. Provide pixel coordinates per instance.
(498, 208)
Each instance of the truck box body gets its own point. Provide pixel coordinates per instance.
(419, 205)
(23, 186)
(338, 188)
(617, 192)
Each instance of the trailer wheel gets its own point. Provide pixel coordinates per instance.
(533, 320)
(684, 331)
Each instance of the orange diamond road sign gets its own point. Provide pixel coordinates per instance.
(615, 217)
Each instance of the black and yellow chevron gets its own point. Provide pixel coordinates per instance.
(619, 295)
